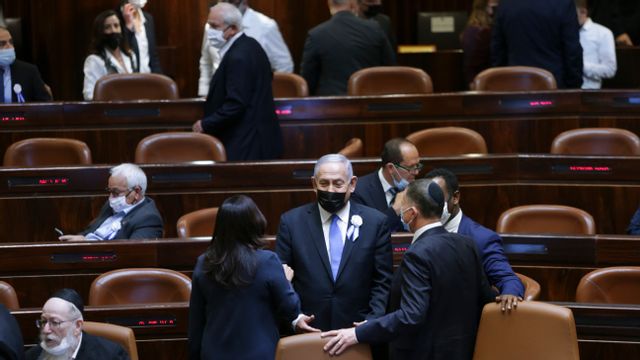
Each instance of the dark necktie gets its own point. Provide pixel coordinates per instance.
(393, 191)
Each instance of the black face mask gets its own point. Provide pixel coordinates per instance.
(113, 40)
(331, 201)
(373, 10)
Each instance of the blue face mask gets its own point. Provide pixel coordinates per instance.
(7, 56)
(399, 184)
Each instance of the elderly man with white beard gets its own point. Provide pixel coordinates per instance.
(61, 335)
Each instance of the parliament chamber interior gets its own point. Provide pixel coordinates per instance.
(553, 170)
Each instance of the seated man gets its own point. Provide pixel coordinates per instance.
(399, 167)
(21, 80)
(61, 335)
(495, 263)
(128, 214)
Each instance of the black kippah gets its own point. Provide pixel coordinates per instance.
(435, 192)
(71, 296)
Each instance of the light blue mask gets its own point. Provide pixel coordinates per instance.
(7, 56)
(399, 184)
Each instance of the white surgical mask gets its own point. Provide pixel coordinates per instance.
(119, 204)
(7, 56)
(405, 224)
(445, 214)
(138, 4)
(216, 38)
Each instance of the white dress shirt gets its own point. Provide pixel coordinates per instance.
(421, 231)
(385, 187)
(75, 353)
(258, 26)
(6, 82)
(599, 54)
(143, 44)
(95, 68)
(325, 218)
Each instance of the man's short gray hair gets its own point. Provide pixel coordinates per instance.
(231, 16)
(334, 158)
(134, 175)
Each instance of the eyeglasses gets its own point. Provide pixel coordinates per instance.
(415, 168)
(117, 192)
(4, 43)
(54, 324)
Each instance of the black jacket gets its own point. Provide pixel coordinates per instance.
(143, 222)
(91, 348)
(28, 76)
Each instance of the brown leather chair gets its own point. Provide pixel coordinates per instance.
(287, 85)
(197, 223)
(535, 331)
(531, 287)
(597, 141)
(135, 86)
(353, 148)
(139, 286)
(387, 80)
(448, 141)
(8, 296)
(118, 334)
(47, 152)
(546, 219)
(514, 78)
(309, 347)
(613, 285)
(175, 147)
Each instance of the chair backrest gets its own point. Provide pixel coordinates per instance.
(531, 287)
(139, 286)
(197, 223)
(387, 80)
(354, 148)
(514, 78)
(613, 285)
(448, 141)
(309, 347)
(546, 219)
(596, 141)
(118, 334)
(288, 85)
(135, 86)
(534, 331)
(175, 147)
(8, 296)
(47, 152)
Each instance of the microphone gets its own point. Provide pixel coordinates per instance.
(17, 88)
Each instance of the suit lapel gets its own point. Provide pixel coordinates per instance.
(348, 244)
(317, 237)
(378, 191)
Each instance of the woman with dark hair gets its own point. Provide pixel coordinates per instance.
(476, 38)
(110, 52)
(240, 293)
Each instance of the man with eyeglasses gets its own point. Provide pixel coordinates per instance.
(383, 189)
(128, 214)
(61, 335)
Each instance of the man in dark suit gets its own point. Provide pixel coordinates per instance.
(239, 109)
(11, 346)
(61, 335)
(140, 30)
(21, 81)
(128, 214)
(339, 250)
(489, 244)
(399, 167)
(437, 294)
(539, 33)
(341, 46)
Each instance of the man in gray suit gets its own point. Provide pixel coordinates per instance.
(341, 46)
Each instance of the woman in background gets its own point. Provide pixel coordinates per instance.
(239, 292)
(110, 52)
(476, 38)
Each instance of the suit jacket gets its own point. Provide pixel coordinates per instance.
(495, 263)
(143, 222)
(11, 346)
(339, 47)
(364, 276)
(369, 192)
(541, 33)
(150, 30)
(91, 348)
(28, 76)
(239, 109)
(220, 319)
(435, 302)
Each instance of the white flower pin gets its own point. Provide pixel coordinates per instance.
(354, 229)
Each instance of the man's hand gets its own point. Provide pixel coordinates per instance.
(197, 126)
(288, 272)
(342, 340)
(72, 238)
(128, 13)
(624, 39)
(508, 302)
(302, 326)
